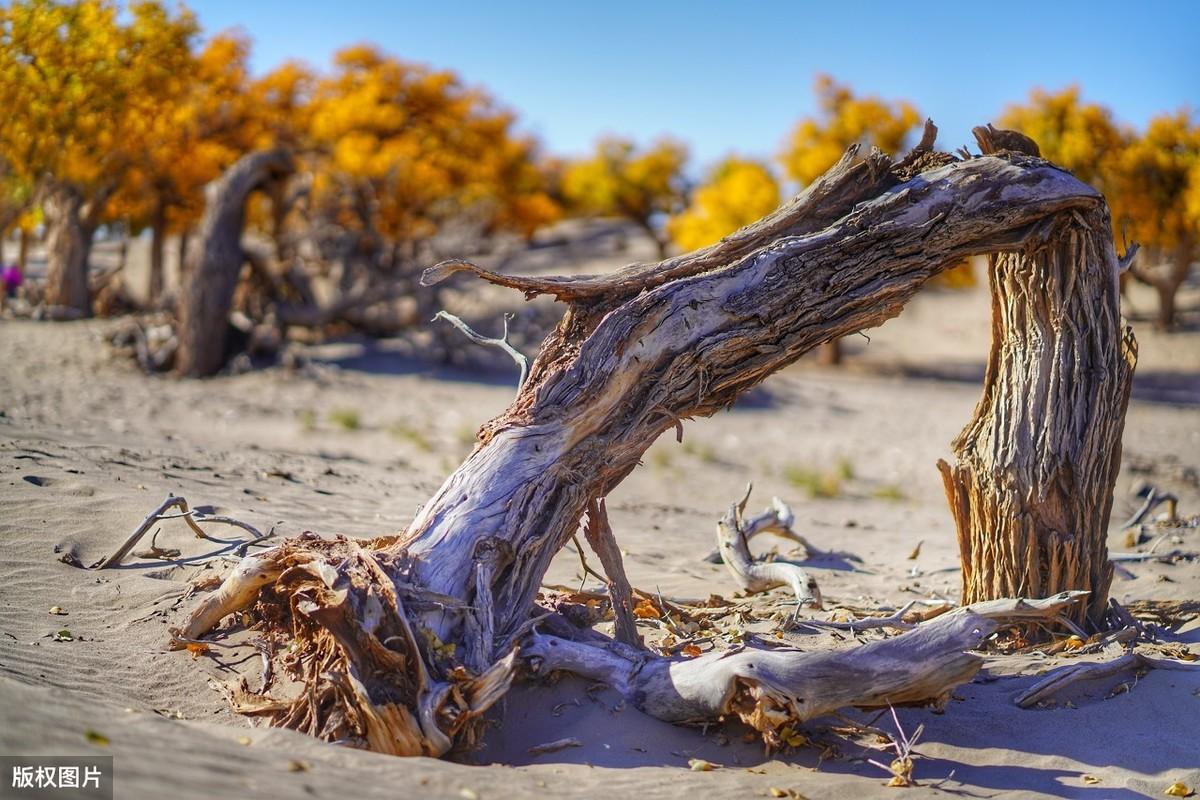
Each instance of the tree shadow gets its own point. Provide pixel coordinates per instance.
(1169, 387)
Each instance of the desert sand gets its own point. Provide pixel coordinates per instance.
(356, 439)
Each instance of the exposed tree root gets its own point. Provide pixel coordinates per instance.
(362, 673)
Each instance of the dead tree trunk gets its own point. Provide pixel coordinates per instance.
(216, 260)
(1031, 490)
(635, 352)
(158, 243)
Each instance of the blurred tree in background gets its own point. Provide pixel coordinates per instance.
(1148, 179)
(737, 192)
(82, 90)
(816, 143)
(1158, 191)
(126, 118)
(621, 180)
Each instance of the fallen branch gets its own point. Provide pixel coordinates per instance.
(895, 620)
(779, 519)
(733, 534)
(187, 515)
(1069, 675)
(771, 690)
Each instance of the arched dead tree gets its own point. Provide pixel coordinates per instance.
(402, 642)
(215, 261)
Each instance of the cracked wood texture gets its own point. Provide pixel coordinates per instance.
(1031, 491)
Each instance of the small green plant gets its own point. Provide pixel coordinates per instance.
(307, 419)
(890, 491)
(406, 433)
(345, 418)
(703, 452)
(465, 435)
(660, 458)
(817, 484)
(845, 469)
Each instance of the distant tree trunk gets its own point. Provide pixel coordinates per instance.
(23, 250)
(216, 261)
(68, 245)
(1167, 283)
(158, 243)
(830, 353)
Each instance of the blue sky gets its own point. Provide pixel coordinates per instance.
(734, 77)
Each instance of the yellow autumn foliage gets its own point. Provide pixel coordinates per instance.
(816, 143)
(619, 179)
(83, 89)
(737, 192)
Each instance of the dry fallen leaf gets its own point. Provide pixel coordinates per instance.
(96, 738)
(646, 610)
(468, 794)
(916, 551)
(777, 792)
(244, 740)
(1179, 789)
(700, 765)
(1089, 779)
(196, 648)
(691, 651)
(58, 611)
(1073, 643)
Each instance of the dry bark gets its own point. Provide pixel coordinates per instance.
(1031, 491)
(404, 641)
(216, 260)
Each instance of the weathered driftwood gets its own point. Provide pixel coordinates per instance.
(1060, 679)
(402, 642)
(752, 575)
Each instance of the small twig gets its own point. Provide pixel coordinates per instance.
(1131, 251)
(895, 620)
(587, 568)
(555, 746)
(502, 342)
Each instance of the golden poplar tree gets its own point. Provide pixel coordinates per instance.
(637, 184)
(81, 89)
(737, 192)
